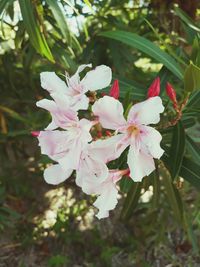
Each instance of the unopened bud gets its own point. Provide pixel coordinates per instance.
(114, 91)
(35, 133)
(154, 89)
(171, 93)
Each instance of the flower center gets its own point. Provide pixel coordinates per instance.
(133, 130)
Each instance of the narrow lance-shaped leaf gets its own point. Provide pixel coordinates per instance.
(60, 18)
(193, 149)
(29, 15)
(173, 196)
(177, 150)
(190, 171)
(146, 47)
(131, 201)
(184, 17)
(192, 78)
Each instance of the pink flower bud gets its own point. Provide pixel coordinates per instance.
(171, 93)
(114, 91)
(154, 89)
(35, 133)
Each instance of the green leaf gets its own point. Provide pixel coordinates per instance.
(131, 201)
(4, 4)
(60, 18)
(13, 114)
(173, 196)
(146, 47)
(192, 78)
(184, 17)
(33, 28)
(193, 149)
(177, 150)
(190, 171)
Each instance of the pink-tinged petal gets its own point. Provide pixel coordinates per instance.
(52, 83)
(54, 143)
(154, 89)
(71, 159)
(114, 91)
(146, 112)
(140, 164)
(110, 112)
(108, 194)
(107, 200)
(52, 126)
(49, 105)
(108, 149)
(74, 85)
(91, 173)
(55, 175)
(98, 78)
(152, 138)
(80, 102)
(62, 115)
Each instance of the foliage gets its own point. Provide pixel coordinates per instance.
(37, 36)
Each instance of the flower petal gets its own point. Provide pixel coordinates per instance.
(107, 200)
(140, 164)
(52, 83)
(152, 138)
(91, 174)
(110, 112)
(98, 78)
(55, 174)
(146, 112)
(108, 149)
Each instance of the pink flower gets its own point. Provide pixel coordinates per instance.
(144, 141)
(114, 91)
(63, 115)
(75, 88)
(65, 147)
(154, 89)
(108, 193)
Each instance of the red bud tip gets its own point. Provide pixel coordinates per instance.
(35, 133)
(114, 91)
(154, 89)
(103, 94)
(108, 133)
(171, 93)
(99, 134)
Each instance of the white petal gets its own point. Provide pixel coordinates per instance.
(47, 104)
(55, 174)
(146, 112)
(152, 138)
(52, 83)
(91, 174)
(140, 164)
(110, 112)
(98, 78)
(80, 102)
(108, 149)
(107, 200)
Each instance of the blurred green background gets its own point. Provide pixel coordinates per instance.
(42, 225)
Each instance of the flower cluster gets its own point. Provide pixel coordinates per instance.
(68, 139)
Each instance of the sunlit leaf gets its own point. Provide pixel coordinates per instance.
(33, 28)
(146, 47)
